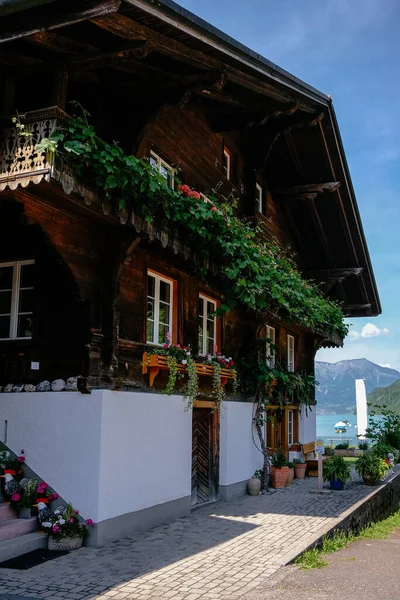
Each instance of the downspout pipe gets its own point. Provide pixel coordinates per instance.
(8, 7)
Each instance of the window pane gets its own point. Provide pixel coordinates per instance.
(210, 329)
(164, 172)
(164, 314)
(210, 309)
(5, 327)
(201, 337)
(150, 309)
(24, 326)
(27, 276)
(25, 301)
(153, 162)
(210, 346)
(6, 276)
(5, 302)
(165, 289)
(150, 331)
(201, 307)
(151, 284)
(162, 333)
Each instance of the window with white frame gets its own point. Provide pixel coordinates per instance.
(16, 299)
(259, 198)
(227, 164)
(165, 169)
(290, 353)
(207, 325)
(290, 427)
(270, 346)
(159, 308)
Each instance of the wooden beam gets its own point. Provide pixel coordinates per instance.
(310, 188)
(275, 114)
(22, 25)
(59, 43)
(335, 274)
(95, 59)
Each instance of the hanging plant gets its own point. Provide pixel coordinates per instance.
(218, 390)
(173, 374)
(259, 275)
(192, 386)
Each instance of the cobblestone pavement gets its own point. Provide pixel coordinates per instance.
(221, 551)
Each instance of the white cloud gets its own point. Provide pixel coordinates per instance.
(386, 365)
(370, 330)
(353, 335)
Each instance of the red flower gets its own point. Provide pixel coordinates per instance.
(16, 497)
(165, 346)
(185, 189)
(21, 459)
(55, 496)
(45, 500)
(89, 522)
(195, 195)
(22, 451)
(213, 208)
(231, 364)
(9, 471)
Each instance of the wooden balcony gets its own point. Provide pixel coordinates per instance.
(20, 162)
(154, 363)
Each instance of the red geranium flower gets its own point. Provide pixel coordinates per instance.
(9, 471)
(44, 500)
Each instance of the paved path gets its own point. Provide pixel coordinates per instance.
(221, 551)
(367, 569)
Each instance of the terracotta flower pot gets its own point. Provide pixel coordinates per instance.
(279, 477)
(290, 477)
(300, 470)
(254, 486)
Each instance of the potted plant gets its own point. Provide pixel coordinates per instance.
(254, 484)
(290, 473)
(66, 531)
(336, 471)
(295, 447)
(279, 469)
(371, 467)
(24, 498)
(299, 468)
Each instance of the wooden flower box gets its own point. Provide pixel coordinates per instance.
(154, 363)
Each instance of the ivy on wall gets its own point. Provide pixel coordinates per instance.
(259, 275)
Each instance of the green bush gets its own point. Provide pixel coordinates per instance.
(278, 459)
(372, 466)
(342, 446)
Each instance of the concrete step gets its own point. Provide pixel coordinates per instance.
(13, 528)
(22, 545)
(6, 512)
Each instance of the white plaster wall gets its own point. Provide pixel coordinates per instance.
(308, 425)
(60, 433)
(239, 457)
(146, 451)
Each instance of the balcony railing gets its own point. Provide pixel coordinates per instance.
(20, 162)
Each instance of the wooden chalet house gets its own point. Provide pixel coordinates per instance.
(88, 286)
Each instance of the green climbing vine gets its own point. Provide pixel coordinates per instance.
(192, 387)
(260, 275)
(173, 374)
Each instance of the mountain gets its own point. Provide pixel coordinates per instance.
(337, 392)
(389, 396)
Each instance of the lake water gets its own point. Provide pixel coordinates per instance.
(326, 429)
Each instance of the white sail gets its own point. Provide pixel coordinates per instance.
(361, 404)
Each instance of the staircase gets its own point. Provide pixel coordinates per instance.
(18, 536)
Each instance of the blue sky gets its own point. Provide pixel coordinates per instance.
(349, 49)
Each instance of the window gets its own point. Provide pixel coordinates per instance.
(290, 427)
(259, 198)
(16, 299)
(159, 308)
(290, 353)
(270, 347)
(226, 165)
(207, 325)
(163, 168)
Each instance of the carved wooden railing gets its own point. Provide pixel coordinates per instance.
(154, 363)
(20, 162)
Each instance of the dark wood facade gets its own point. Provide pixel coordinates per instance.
(156, 85)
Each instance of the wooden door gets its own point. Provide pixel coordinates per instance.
(205, 456)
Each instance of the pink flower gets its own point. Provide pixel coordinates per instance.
(22, 451)
(71, 520)
(21, 459)
(55, 496)
(56, 529)
(229, 224)
(77, 512)
(89, 522)
(16, 497)
(169, 336)
(213, 208)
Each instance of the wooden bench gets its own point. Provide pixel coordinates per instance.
(311, 461)
(154, 363)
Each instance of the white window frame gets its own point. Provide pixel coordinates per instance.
(290, 352)
(203, 350)
(270, 352)
(16, 280)
(259, 198)
(228, 157)
(158, 279)
(163, 163)
(290, 426)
